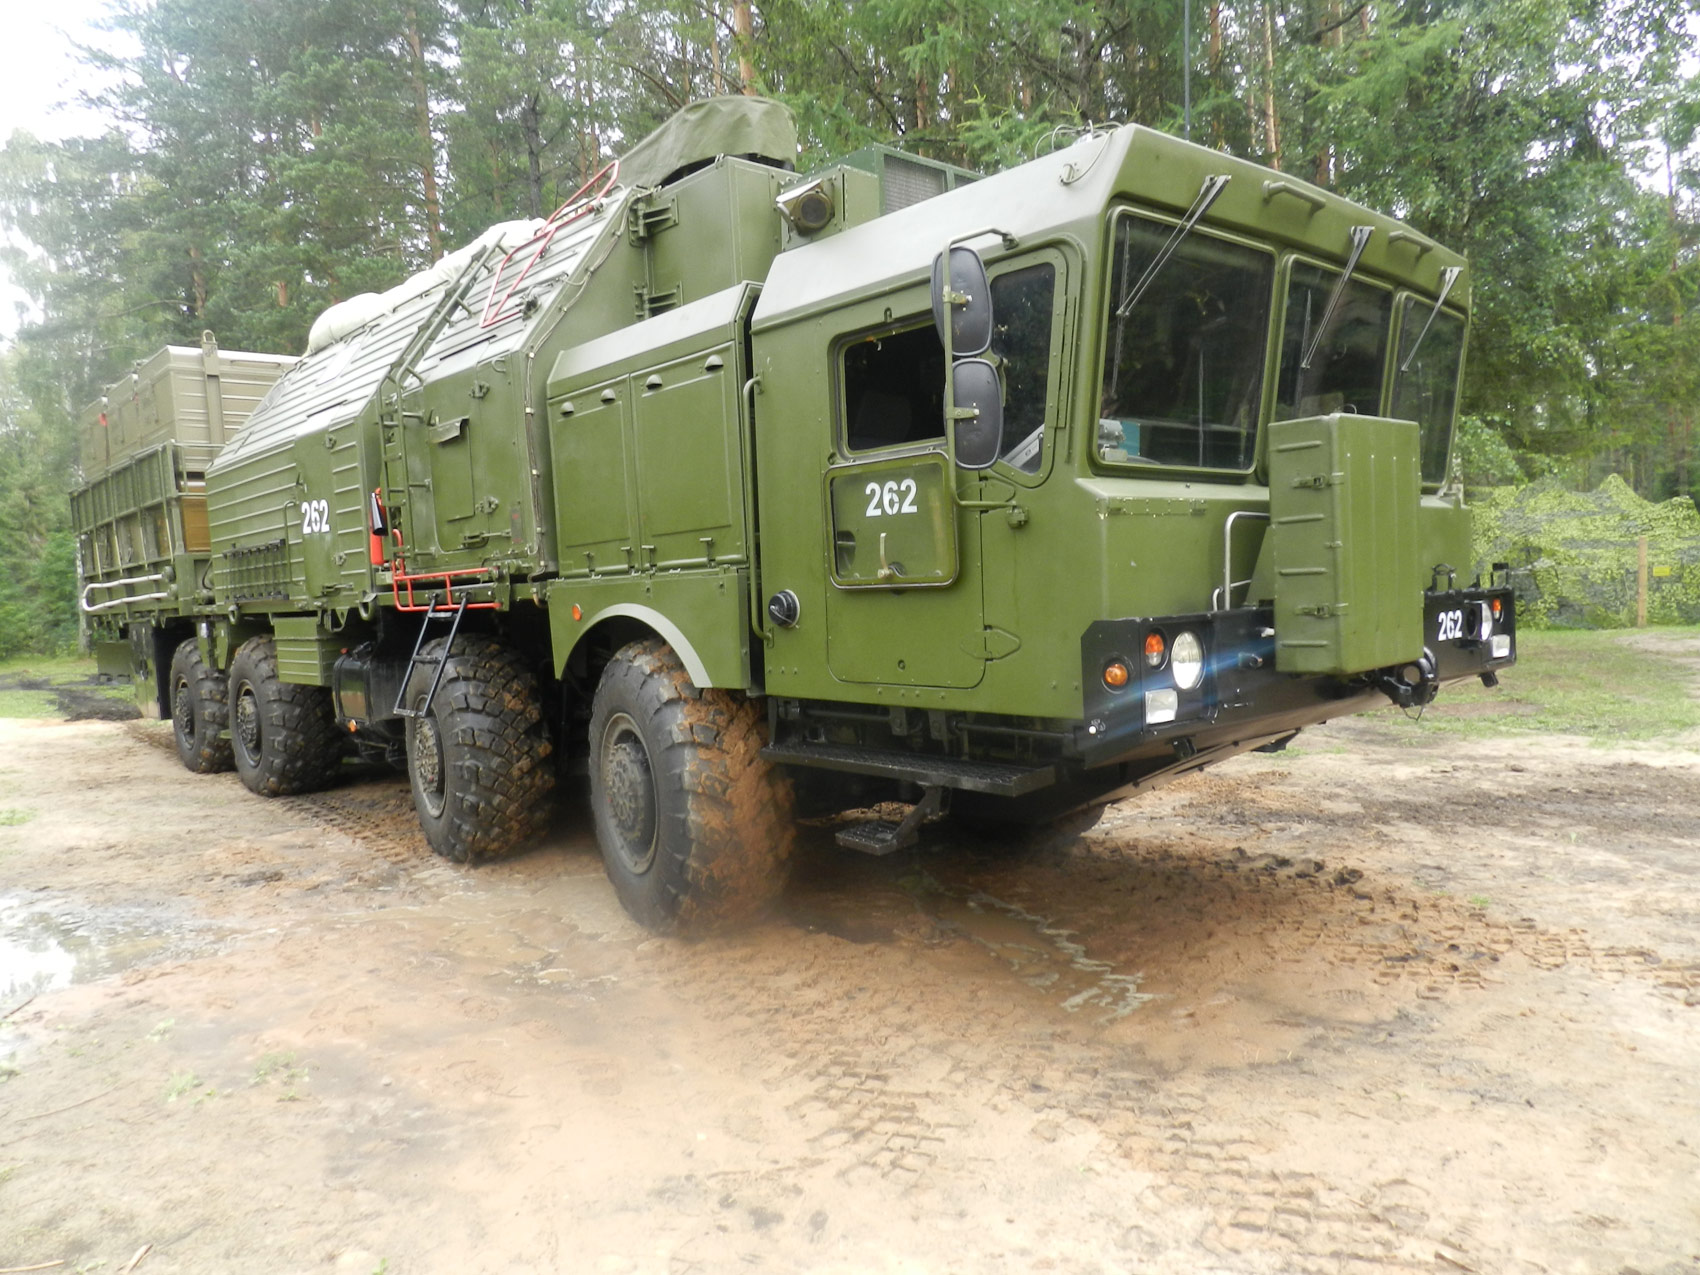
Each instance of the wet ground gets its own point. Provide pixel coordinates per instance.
(1361, 1007)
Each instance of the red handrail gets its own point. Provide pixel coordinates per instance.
(579, 205)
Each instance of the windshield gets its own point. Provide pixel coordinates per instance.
(1183, 374)
(1345, 373)
(1427, 390)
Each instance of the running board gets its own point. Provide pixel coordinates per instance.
(994, 778)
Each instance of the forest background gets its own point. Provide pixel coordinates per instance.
(265, 158)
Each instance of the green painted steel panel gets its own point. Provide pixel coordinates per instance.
(685, 429)
(893, 523)
(305, 652)
(593, 497)
(702, 614)
(1343, 500)
(195, 397)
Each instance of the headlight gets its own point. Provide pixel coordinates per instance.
(1186, 659)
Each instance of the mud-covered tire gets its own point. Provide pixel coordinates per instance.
(283, 736)
(696, 829)
(478, 759)
(200, 711)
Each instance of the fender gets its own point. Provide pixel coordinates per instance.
(711, 605)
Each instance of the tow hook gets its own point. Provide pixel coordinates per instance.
(1410, 685)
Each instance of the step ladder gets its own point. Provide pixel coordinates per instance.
(452, 612)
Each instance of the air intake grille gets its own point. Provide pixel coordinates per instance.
(907, 182)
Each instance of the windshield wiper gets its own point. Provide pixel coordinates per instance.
(1360, 238)
(1207, 193)
(1448, 277)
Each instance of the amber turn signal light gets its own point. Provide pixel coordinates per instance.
(1154, 649)
(1115, 675)
(1498, 605)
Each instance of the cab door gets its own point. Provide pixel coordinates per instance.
(903, 520)
(904, 564)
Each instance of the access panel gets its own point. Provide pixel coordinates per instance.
(1343, 498)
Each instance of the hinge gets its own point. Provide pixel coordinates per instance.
(650, 304)
(991, 644)
(651, 219)
(1320, 480)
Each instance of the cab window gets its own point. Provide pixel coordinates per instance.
(1186, 341)
(893, 378)
(1347, 359)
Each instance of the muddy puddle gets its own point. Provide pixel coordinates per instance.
(47, 945)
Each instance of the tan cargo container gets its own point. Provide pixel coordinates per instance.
(196, 397)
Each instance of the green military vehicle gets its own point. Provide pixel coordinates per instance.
(744, 492)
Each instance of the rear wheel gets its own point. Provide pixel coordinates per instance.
(477, 758)
(696, 828)
(200, 711)
(283, 737)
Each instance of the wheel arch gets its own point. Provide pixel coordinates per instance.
(620, 623)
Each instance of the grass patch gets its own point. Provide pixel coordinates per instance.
(12, 818)
(56, 687)
(1609, 685)
(28, 704)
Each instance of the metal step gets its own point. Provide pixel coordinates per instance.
(877, 836)
(945, 772)
(881, 836)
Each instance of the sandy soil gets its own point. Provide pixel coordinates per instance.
(1360, 1007)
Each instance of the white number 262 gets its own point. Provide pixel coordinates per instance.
(891, 498)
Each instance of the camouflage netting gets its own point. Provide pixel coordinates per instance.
(1574, 554)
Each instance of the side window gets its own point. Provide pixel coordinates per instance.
(894, 388)
(1023, 303)
(894, 378)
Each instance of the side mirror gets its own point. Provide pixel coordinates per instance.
(967, 297)
(976, 413)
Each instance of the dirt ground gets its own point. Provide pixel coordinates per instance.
(1366, 1006)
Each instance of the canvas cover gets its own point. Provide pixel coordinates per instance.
(756, 127)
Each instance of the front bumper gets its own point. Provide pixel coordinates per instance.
(1243, 699)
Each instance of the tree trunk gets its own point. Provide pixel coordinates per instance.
(428, 144)
(531, 129)
(198, 280)
(743, 31)
(1216, 132)
(714, 48)
(1271, 126)
(1333, 36)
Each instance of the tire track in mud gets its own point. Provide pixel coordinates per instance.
(895, 1094)
(378, 813)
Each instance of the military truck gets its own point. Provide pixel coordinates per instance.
(742, 492)
(144, 545)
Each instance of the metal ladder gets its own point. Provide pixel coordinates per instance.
(450, 612)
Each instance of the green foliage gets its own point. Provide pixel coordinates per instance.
(1575, 555)
(268, 159)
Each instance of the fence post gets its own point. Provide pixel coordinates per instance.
(1641, 585)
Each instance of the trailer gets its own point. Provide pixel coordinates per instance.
(744, 493)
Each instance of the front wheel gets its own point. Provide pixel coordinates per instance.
(477, 758)
(283, 736)
(696, 828)
(200, 711)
